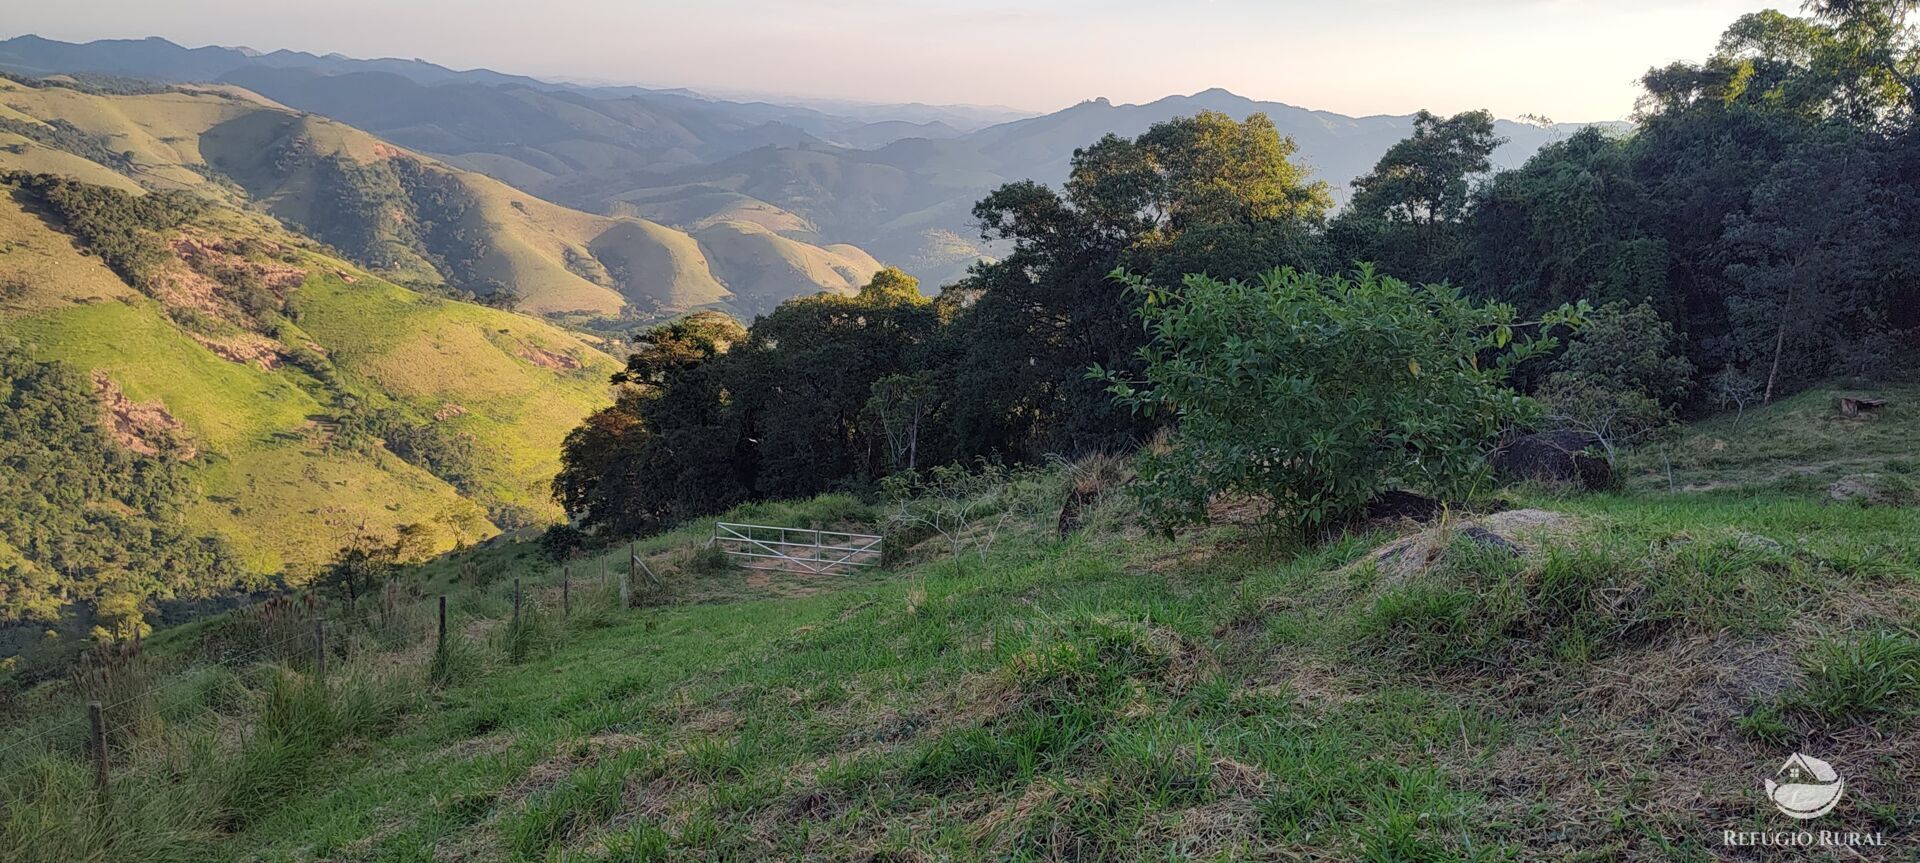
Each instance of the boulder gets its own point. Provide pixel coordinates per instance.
(1555, 456)
(1485, 538)
(1399, 504)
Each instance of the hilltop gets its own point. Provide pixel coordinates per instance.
(1611, 676)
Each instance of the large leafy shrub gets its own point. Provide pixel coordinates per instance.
(1621, 379)
(1317, 393)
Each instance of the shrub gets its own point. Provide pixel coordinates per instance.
(562, 541)
(968, 506)
(711, 560)
(1620, 379)
(1321, 392)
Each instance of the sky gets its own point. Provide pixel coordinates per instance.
(1569, 60)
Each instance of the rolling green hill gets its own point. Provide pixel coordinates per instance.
(260, 398)
(261, 403)
(402, 214)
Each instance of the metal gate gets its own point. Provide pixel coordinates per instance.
(795, 549)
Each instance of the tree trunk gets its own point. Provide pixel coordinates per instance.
(1779, 347)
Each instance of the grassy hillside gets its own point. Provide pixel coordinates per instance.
(1608, 677)
(747, 254)
(262, 402)
(1803, 443)
(406, 215)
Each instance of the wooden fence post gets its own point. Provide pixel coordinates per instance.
(97, 734)
(320, 647)
(626, 584)
(440, 644)
(516, 603)
(566, 592)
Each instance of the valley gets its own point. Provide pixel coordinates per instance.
(403, 463)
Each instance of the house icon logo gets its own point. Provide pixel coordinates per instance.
(1805, 787)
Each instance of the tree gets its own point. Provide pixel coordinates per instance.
(1865, 53)
(1181, 192)
(1570, 224)
(714, 414)
(1318, 393)
(1406, 213)
(677, 346)
(801, 383)
(1823, 259)
(1728, 388)
(666, 449)
(363, 565)
(902, 404)
(1425, 179)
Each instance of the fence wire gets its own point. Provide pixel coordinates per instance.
(107, 709)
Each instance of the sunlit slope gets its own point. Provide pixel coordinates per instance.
(266, 478)
(645, 253)
(26, 154)
(764, 267)
(407, 215)
(158, 133)
(516, 384)
(270, 471)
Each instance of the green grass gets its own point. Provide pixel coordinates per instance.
(1615, 693)
(1798, 444)
(1861, 675)
(264, 481)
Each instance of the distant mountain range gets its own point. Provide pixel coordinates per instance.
(898, 182)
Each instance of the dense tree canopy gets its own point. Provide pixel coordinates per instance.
(1195, 194)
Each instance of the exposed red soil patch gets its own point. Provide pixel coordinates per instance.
(143, 427)
(548, 359)
(244, 348)
(202, 282)
(206, 255)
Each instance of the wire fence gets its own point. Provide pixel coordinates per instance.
(144, 694)
(120, 718)
(116, 725)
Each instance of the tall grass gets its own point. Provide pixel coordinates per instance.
(231, 723)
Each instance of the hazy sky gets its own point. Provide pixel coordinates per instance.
(1566, 59)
